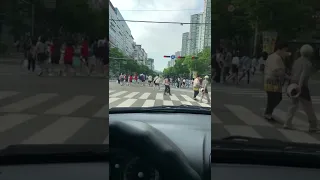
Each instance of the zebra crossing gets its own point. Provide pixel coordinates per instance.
(255, 93)
(54, 104)
(237, 120)
(149, 99)
(51, 118)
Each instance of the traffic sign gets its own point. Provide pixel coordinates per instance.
(173, 56)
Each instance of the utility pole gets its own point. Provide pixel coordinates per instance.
(32, 20)
(32, 14)
(256, 32)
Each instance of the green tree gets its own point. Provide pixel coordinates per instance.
(231, 26)
(119, 63)
(184, 67)
(73, 15)
(287, 17)
(169, 72)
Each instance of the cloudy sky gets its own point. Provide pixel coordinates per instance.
(158, 39)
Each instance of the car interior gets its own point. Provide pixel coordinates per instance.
(160, 146)
(144, 146)
(263, 159)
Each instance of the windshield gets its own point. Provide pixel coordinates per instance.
(266, 70)
(54, 85)
(160, 55)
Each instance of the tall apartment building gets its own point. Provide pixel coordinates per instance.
(150, 63)
(195, 33)
(119, 33)
(178, 53)
(144, 57)
(184, 46)
(140, 55)
(207, 20)
(201, 37)
(189, 45)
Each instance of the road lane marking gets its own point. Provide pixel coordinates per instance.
(28, 102)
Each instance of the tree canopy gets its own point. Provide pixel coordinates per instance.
(287, 17)
(119, 63)
(185, 66)
(72, 15)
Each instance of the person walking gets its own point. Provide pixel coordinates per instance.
(274, 76)
(300, 74)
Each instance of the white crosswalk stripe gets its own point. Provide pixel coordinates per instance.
(252, 124)
(50, 118)
(66, 127)
(256, 93)
(147, 99)
(32, 118)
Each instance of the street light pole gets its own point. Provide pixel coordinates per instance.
(32, 14)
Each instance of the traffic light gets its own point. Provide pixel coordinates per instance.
(166, 56)
(194, 57)
(181, 57)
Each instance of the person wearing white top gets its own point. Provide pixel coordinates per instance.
(235, 68)
(196, 87)
(219, 64)
(150, 80)
(156, 81)
(166, 83)
(246, 66)
(274, 76)
(302, 70)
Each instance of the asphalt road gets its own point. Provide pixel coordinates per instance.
(241, 114)
(137, 96)
(52, 110)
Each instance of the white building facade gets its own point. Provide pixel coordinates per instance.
(207, 19)
(184, 47)
(150, 63)
(178, 53)
(119, 33)
(195, 34)
(201, 36)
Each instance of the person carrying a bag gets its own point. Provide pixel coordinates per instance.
(196, 87)
(298, 89)
(274, 77)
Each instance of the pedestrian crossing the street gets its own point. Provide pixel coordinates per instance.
(149, 99)
(50, 118)
(236, 120)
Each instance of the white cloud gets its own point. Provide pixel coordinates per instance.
(158, 39)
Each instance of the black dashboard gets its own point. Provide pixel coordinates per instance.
(261, 172)
(54, 171)
(188, 134)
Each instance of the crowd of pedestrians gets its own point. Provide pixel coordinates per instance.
(199, 85)
(62, 56)
(279, 78)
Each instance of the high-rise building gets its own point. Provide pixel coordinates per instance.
(184, 47)
(200, 40)
(195, 30)
(119, 32)
(207, 19)
(178, 53)
(189, 45)
(150, 63)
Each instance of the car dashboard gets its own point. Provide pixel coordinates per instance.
(134, 157)
(262, 172)
(191, 133)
